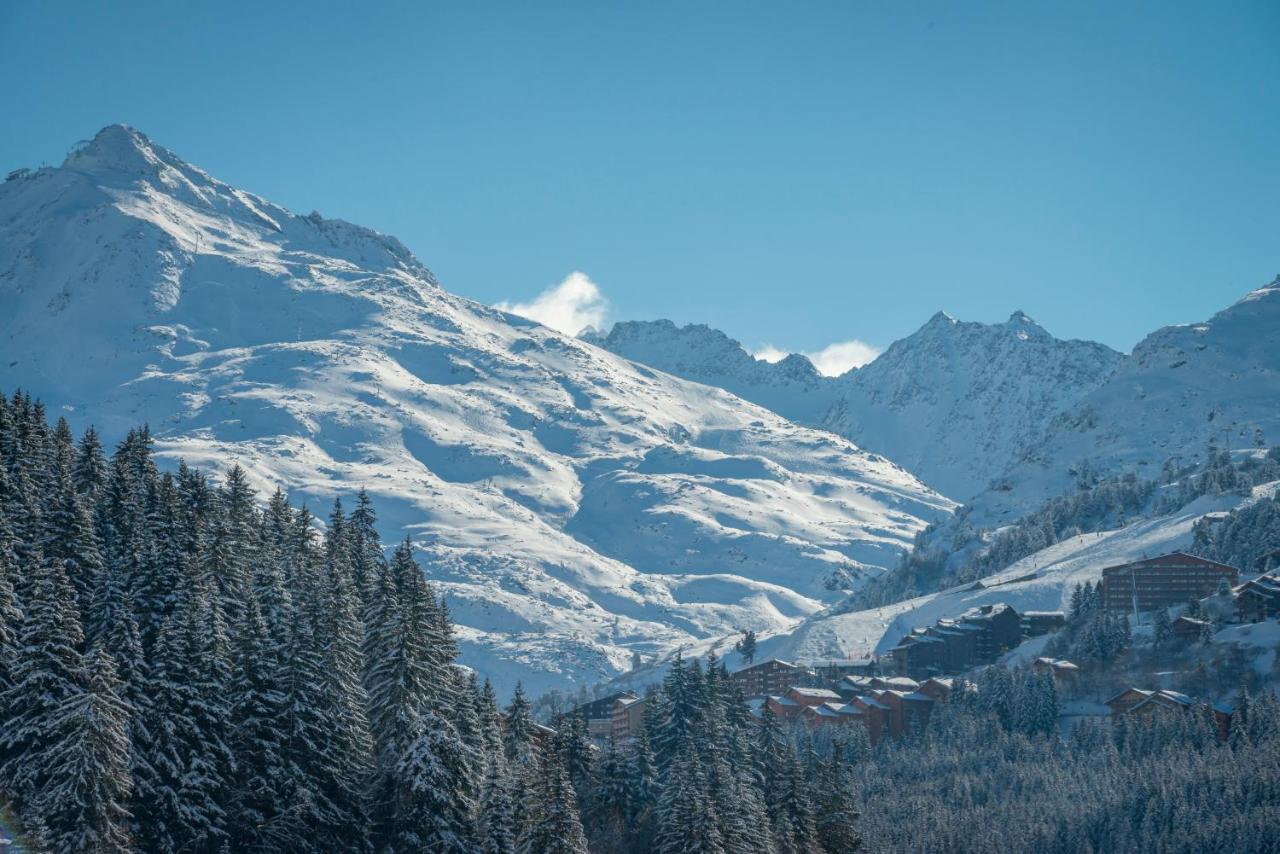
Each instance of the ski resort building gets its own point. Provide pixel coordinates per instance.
(618, 716)
(1037, 623)
(1258, 599)
(1158, 582)
(770, 677)
(978, 636)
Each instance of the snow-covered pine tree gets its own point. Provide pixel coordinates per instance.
(258, 713)
(496, 813)
(687, 818)
(433, 806)
(518, 732)
(47, 675)
(557, 826)
(70, 537)
(84, 808)
(329, 703)
(180, 780)
(89, 471)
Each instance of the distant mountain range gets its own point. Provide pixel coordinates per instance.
(953, 403)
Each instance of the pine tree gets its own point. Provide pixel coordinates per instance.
(433, 806)
(497, 831)
(328, 705)
(181, 779)
(557, 828)
(746, 647)
(258, 709)
(47, 675)
(518, 734)
(70, 537)
(90, 471)
(687, 820)
(84, 808)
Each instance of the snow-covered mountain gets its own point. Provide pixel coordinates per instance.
(575, 506)
(954, 402)
(1183, 388)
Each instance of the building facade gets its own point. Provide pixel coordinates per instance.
(1159, 582)
(769, 677)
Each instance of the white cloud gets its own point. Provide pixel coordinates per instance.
(834, 359)
(769, 353)
(831, 361)
(569, 307)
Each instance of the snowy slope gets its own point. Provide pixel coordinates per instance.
(954, 402)
(575, 506)
(1055, 572)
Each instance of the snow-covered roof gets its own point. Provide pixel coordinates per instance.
(814, 692)
(903, 682)
(1144, 692)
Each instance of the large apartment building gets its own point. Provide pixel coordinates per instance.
(1158, 582)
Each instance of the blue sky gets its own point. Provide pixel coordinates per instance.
(795, 174)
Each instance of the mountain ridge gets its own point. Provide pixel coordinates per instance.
(896, 404)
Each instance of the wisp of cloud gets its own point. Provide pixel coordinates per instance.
(831, 361)
(570, 307)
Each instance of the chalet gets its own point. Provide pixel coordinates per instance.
(1037, 623)
(937, 688)
(599, 714)
(875, 716)
(1258, 599)
(543, 736)
(1163, 700)
(798, 698)
(811, 696)
(832, 714)
(1189, 628)
(783, 708)
(769, 677)
(1064, 672)
(628, 718)
(1158, 582)
(907, 711)
(978, 636)
(1124, 701)
(1001, 629)
(851, 686)
(918, 654)
(961, 641)
(894, 683)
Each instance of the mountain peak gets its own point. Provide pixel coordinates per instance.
(120, 148)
